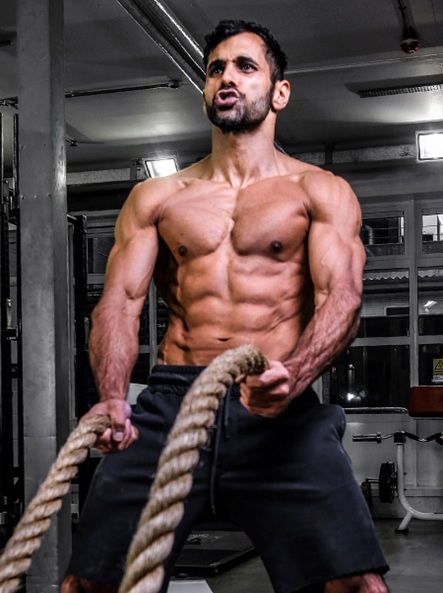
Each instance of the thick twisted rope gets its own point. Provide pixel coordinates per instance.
(154, 538)
(16, 557)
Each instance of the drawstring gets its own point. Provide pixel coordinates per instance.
(221, 423)
(226, 413)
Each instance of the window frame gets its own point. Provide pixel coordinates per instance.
(412, 208)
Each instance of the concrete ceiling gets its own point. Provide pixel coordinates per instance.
(335, 49)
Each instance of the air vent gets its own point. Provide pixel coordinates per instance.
(400, 90)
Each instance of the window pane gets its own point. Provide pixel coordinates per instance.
(98, 253)
(383, 236)
(430, 370)
(162, 318)
(430, 301)
(432, 233)
(385, 304)
(369, 376)
(140, 371)
(143, 333)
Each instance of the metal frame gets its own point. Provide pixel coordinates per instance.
(6, 429)
(410, 511)
(400, 437)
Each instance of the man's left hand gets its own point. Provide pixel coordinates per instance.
(267, 394)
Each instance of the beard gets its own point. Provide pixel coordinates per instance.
(244, 116)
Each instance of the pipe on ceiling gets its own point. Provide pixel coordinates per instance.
(170, 36)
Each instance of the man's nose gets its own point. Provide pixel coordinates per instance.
(229, 76)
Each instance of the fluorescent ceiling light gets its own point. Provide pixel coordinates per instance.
(429, 145)
(160, 167)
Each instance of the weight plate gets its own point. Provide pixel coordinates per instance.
(387, 481)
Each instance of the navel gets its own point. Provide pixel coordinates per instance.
(276, 246)
(182, 250)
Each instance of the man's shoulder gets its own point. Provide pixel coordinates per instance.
(321, 188)
(318, 182)
(308, 171)
(149, 199)
(314, 180)
(157, 190)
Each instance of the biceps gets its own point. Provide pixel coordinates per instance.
(130, 267)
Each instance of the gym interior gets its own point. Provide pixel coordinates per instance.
(98, 95)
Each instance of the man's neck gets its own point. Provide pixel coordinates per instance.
(243, 158)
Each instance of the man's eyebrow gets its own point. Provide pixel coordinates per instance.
(218, 62)
(243, 59)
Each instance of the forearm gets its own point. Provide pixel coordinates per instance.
(333, 326)
(113, 350)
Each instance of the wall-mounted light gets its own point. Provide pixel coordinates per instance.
(160, 167)
(429, 145)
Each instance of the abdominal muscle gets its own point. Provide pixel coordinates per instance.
(201, 345)
(267, 311)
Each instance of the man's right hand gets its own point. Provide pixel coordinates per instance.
(122, 433)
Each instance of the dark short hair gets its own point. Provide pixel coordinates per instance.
(276, 57)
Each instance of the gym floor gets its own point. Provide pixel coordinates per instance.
(414, 559)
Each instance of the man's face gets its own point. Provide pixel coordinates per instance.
(238, 91)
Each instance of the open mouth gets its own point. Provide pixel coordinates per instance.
(226, 98)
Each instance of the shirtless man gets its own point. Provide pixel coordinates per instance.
(246, 246)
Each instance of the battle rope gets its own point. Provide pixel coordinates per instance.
(154, 538)
(35, 521)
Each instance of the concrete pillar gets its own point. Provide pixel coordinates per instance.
(44, 242)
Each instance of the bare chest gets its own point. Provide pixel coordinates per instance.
(260, 220)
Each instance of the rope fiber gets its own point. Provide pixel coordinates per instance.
(16, 557)
(154, 538)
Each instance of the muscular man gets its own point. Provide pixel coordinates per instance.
(246, 246)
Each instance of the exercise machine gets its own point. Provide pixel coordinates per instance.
(424, 402)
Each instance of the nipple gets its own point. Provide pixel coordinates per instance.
(182, 250)
(276, 246)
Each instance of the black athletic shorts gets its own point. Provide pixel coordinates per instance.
(286, 482)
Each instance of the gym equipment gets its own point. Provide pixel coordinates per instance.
(209, 553)
(154, 538)
(11, 479)
(387, 482)
(391, 480)
(16, 557)
(425, 401)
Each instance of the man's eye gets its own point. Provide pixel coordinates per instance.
(247, 67)
(215, 70)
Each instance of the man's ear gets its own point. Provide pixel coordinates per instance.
(280, 97)
(204, 102)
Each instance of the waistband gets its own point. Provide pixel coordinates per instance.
(182, 376)
(172, 370)
(178, 378)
